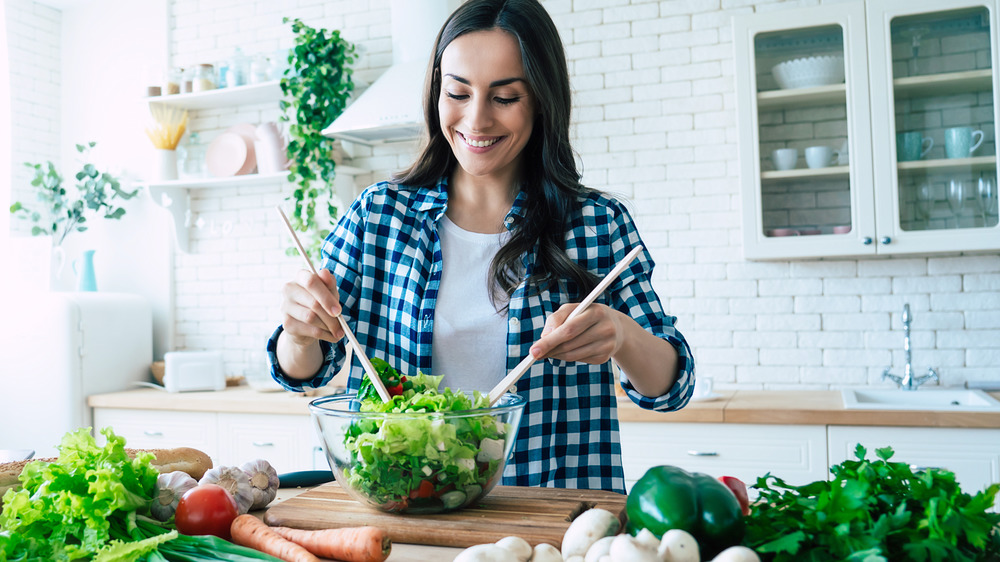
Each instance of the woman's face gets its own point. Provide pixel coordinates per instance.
(486, 108)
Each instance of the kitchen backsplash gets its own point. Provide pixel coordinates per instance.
(655, 123)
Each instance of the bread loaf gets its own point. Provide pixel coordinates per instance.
(186, 459)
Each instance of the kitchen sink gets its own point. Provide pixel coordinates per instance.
(950, 400)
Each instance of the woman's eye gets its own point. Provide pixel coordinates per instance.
(506, 101)
(456, 96)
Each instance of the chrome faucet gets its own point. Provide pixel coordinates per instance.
(908, 381)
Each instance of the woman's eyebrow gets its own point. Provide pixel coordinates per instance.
(493, 84)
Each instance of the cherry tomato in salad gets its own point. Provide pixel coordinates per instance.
(425, 490)
(206, 509)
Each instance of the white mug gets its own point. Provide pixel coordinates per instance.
(702, 387)
(785, 158)
(820, 156)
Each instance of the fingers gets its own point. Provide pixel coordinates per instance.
(590, 337)
(309, 307)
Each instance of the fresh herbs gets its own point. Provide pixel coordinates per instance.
(874, 511)
(92, 504)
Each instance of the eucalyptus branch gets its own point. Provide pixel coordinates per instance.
(59, 214)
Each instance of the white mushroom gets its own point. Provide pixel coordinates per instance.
(679, 545)
(518, 546)
(585, 530)
(599, 549)
(545, 552)
(486, 553)
(625, 548)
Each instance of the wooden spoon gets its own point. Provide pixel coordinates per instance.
(365, 362)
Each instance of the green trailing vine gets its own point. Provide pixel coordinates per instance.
(59, 213)
(315, 89)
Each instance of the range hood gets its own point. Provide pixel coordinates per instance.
(391, 109)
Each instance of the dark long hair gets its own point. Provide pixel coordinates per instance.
(549, 179)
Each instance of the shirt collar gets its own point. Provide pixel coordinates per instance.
(434, 200)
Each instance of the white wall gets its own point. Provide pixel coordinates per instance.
(654, 121)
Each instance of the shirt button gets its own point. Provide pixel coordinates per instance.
(515, 323)
(508, 222)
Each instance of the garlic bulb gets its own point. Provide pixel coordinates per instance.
(170, 487)
(263, 480)
(235, 481)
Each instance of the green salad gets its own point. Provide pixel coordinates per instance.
(427, 461)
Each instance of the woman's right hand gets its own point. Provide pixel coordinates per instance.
(310, 305)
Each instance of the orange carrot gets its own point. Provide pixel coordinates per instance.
(253, 533)
(349, 544)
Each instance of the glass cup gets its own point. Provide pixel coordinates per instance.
(923, 202)
(987, 191)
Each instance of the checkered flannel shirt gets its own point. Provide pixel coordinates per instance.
(386, 255)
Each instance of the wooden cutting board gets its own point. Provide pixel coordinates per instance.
(538, 515)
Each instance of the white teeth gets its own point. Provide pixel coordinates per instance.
(480, 144)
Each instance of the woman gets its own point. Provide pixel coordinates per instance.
(475, 256)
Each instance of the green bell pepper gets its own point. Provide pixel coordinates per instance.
(667, 497)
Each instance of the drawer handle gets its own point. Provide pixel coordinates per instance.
(263, 444)
(153, 433)
(703, 453)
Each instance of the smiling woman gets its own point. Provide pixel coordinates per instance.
(479, 252)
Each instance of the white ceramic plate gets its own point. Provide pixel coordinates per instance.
(226, 155)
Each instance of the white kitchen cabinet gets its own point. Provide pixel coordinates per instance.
(797, 454)
(285, 441)
(973, 454)
(910, 66)
(288, 442)
(153, 429)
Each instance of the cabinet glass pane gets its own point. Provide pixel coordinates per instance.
(803, 132)
(945, 145)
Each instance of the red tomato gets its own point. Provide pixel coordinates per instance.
(739, 489)
(425, 490)
(206, 509)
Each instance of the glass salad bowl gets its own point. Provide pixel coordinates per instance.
(416, 461)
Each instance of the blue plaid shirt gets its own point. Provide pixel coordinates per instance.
(386, 255)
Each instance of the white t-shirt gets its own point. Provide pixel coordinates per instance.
(470, 336)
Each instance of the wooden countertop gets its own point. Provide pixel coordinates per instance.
(806, 407)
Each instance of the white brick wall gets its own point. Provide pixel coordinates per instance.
(33, 50)
(654, 122)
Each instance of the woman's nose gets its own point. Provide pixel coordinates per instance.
(480, 115)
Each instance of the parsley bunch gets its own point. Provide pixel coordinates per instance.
(874, 511)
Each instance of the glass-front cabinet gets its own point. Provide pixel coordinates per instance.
(868, 128)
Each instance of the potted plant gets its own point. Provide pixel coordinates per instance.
(61, 212)
(316, 86)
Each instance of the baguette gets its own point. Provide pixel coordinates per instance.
(186, 459)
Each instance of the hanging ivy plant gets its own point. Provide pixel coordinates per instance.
(315, 88)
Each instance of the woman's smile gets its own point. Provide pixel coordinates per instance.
(486, 107)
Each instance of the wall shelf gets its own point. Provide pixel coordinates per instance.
(265, 92)
(175, 195)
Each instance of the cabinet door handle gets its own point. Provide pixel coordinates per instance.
(263, 444)
(886, 240)
(867, 240)
(149, 433)
(694, 453)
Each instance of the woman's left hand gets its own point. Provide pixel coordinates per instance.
(594, 336)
